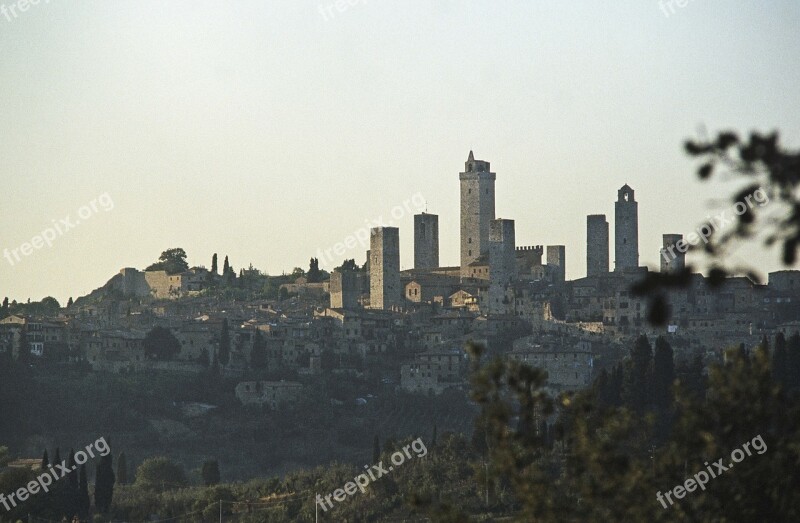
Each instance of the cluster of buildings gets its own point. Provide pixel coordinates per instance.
(413, 324)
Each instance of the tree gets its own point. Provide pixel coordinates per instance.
(203, 359)
(70, 302)
(314, 275)
(214, 264)
(122, 469)
(45, 461)
(210, 473)
(258, 354)
(224, 344)
(49, 306)
(663, 374)
(173, 261)
(160, 473)
(347, 265)
(24, 354)
(104, 483)
(161, 344)
(780, 361)
(4, 310)
(637, 380)
(376, 450)
(84, 503)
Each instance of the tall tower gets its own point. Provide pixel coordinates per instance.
(626, 230)
(672, 260)
(477, 210)
(384, 268)
(426, 241)
(502, 263)
(596, 244)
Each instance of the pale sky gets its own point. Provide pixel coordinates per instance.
(268, 130)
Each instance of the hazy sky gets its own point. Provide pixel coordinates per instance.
(267, 130)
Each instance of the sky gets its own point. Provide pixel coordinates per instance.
(271, 131)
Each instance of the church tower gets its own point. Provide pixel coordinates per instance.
(477, 210)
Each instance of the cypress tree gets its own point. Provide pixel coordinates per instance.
(793, 361)
(258, 354)
(226, 267)
(780, 361)
(214, 264)
(663, 374)
(70, 302)
(45, 460)
(24, 354)
(104, 483)
(84, 502)
(376, 450)
(224, 344)
(636, 390)
(122, 468)
(210, 473)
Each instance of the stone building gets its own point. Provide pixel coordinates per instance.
(626, 230)
(477, 210)
(426, 241)
(672, 260)
(596, 244)
(345, 288)
(568, 363)
(384, 268)
(432, 372)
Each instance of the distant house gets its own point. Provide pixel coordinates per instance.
(568, 365)
(270, 393)
(432, 372)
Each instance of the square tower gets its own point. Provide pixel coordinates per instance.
(344, 289)
(556, 262)
(502, 264)
(626, 230)
(672, 260)
(596, 244)
(477, 210)
(384, 268)
(426, 241)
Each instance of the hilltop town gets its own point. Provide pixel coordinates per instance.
(411, 324)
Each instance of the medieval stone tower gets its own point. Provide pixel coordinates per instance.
(384, 268)
(502, 263)
(626, 230)
(556, 260)
(426, 241)
(596, 244)
(672, 260)
(477, 210)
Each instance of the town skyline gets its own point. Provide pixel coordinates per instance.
(216, 123)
